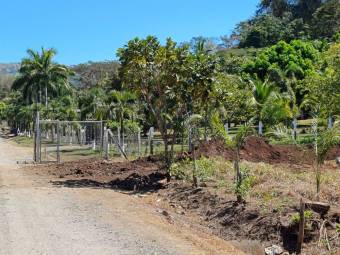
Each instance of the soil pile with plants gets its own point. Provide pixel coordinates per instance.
(142, 174)
(257, 149)
(248, 221)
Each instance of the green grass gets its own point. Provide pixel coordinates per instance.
(23, 141)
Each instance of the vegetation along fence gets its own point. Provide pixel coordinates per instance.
(59, 141)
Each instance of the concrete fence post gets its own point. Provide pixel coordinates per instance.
(58, 142)
(106, 144)
(295, 124)
(226, 127)
(151, 134)
(139, 143)
(260, 127)
(330, 122)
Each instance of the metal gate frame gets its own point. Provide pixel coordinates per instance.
(38, 139)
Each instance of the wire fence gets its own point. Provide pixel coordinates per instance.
(57, 141)
(60, 141)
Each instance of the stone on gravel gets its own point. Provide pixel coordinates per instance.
(273, 250)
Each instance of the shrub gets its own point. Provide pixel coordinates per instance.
(295, 218)
(244, 184)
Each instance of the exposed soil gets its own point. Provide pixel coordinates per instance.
(258, 149)
(221, 214)
(247, 221)
(139, 175)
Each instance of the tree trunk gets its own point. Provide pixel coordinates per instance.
(173, 142)
(238, 176)
(194, 172)
(167, 157)
(182, 141)
(122, 133)
(46, 100)
(318, 181)
(206, 124)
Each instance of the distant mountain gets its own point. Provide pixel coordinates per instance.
(9, 69)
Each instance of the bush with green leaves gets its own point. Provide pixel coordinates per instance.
(295, 218)
(207, 169)
(245, 183)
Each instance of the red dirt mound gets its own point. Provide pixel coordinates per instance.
(257, 149)
(130, 175)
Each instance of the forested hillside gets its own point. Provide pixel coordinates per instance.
(277, 20)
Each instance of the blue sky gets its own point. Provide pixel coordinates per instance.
(83, 30)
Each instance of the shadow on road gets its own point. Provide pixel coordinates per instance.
(134, 183)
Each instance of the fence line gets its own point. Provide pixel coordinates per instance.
(59, 141)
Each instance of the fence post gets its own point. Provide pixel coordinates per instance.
(330, 122)
(37, 145)
(260, 127)
(295, 123)
(139, 143)
(101, 134)
(58, 142)
(226, 127)
(106, 144)
(151, 133)
(35, 141)
(190, 139)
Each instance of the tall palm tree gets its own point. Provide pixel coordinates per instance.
(38, 72)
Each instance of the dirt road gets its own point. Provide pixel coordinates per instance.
(37, 217)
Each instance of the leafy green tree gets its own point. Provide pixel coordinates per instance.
(201, 70)
(286, 20)
(322, 89)
(262, 31)
(326, 20)
(234, 97)
(275, 7)
(155, 73)
(17, 113)
(296, 59)
(63, 108)
(94, 104)
(286, 65)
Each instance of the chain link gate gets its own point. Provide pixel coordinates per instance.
(60, 141)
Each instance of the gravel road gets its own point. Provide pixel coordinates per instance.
(37, 217)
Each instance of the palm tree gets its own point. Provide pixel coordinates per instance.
(262, 92)
(323, 142)
(38, 72)
(122, 107)
(93, 104)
